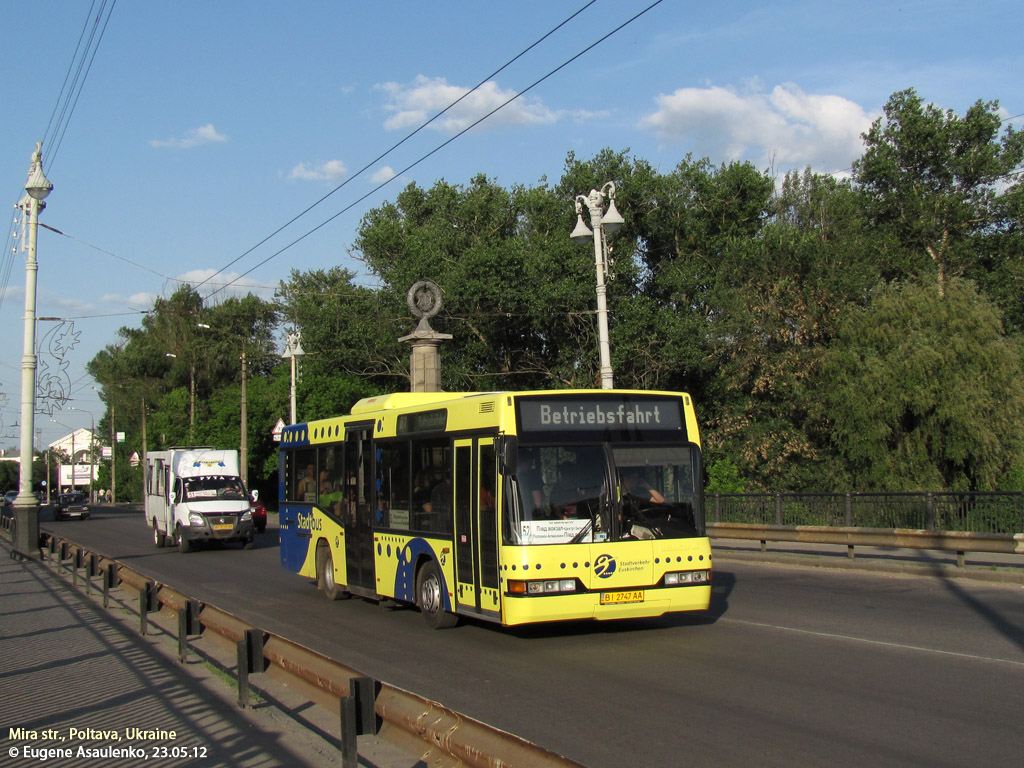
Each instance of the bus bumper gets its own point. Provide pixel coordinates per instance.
(657, 602)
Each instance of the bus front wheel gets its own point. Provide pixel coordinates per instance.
(430, 598)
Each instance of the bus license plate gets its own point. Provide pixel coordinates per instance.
(228, 527)
(617, 598)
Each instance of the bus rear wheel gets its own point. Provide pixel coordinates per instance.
(158, 538)
(430, 598)
(325, 580)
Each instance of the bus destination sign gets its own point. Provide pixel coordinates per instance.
(576, 414)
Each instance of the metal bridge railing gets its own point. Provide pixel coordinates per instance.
(969, 512)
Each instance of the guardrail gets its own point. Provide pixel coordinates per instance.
(949, 541)
(363, 706)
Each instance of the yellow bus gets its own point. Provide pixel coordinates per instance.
(511, 507)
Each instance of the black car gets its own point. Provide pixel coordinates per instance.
(71, 505)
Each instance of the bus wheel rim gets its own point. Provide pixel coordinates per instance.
(430, 594)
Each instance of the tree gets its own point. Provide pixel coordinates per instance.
(925, 392)
(350, 339)
(933, 182)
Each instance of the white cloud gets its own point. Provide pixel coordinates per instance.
(205, 134)
(383, 174)
(140, 300)
(786, 128)
(413, 104)
(332, 170)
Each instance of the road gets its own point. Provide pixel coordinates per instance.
(790, 667)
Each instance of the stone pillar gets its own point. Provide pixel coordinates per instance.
(424, 300)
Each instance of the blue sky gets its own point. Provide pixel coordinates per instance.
(202, 127)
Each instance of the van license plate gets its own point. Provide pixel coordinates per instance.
(617, 598)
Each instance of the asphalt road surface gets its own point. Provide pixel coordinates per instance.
(790, 667)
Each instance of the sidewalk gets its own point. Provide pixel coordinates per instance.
(75, 677)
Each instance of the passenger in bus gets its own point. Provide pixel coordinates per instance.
(307, 487)
(441, 500)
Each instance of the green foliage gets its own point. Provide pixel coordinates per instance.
(724, 477)
(798, 314)
(925, 393)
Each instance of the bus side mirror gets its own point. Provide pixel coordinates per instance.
(509, 455)
(255, 495)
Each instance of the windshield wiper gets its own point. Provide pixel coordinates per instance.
(583, 532)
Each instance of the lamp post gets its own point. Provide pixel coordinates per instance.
(293, 353)
(26, 505)
(602, 224)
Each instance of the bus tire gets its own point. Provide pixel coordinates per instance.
(158, 538)
(184, 545)
(325, 580)
(430, 597)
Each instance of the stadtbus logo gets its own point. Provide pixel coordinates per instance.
(604, 566)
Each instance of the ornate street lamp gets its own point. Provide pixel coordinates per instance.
(26, 505)
(293, 352)
(602, 223)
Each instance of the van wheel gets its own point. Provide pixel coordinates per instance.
(184, 545)
(325, 575)
(430, 598)
(158, 538)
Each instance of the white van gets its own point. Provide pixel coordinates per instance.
(195, 495)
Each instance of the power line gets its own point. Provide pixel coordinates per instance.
(68, 102)
(444, 144)
(395, 146)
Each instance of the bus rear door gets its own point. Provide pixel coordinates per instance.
(360, 498)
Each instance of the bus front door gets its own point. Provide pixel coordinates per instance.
(360, 496)
(476, 550)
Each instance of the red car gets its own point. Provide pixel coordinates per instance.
(259, 515)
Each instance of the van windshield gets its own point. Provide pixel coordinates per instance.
(214, 488)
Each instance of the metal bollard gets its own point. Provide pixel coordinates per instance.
(147, 604)
(92, 568)
(188, 624)
(250, 661)
(109, 582)
(349, 731)
(365, 690)
(78, 563)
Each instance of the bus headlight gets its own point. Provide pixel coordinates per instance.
(247, 515)
(678, 578)
(544, 587)
(194, 518)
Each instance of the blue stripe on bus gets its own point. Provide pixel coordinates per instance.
(405, 577)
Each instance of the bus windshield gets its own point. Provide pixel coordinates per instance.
(213, 488)
(568, 494)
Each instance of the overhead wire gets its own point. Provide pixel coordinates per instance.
(404, 139)
(444, 144)
(85, 62)
(60, 117)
